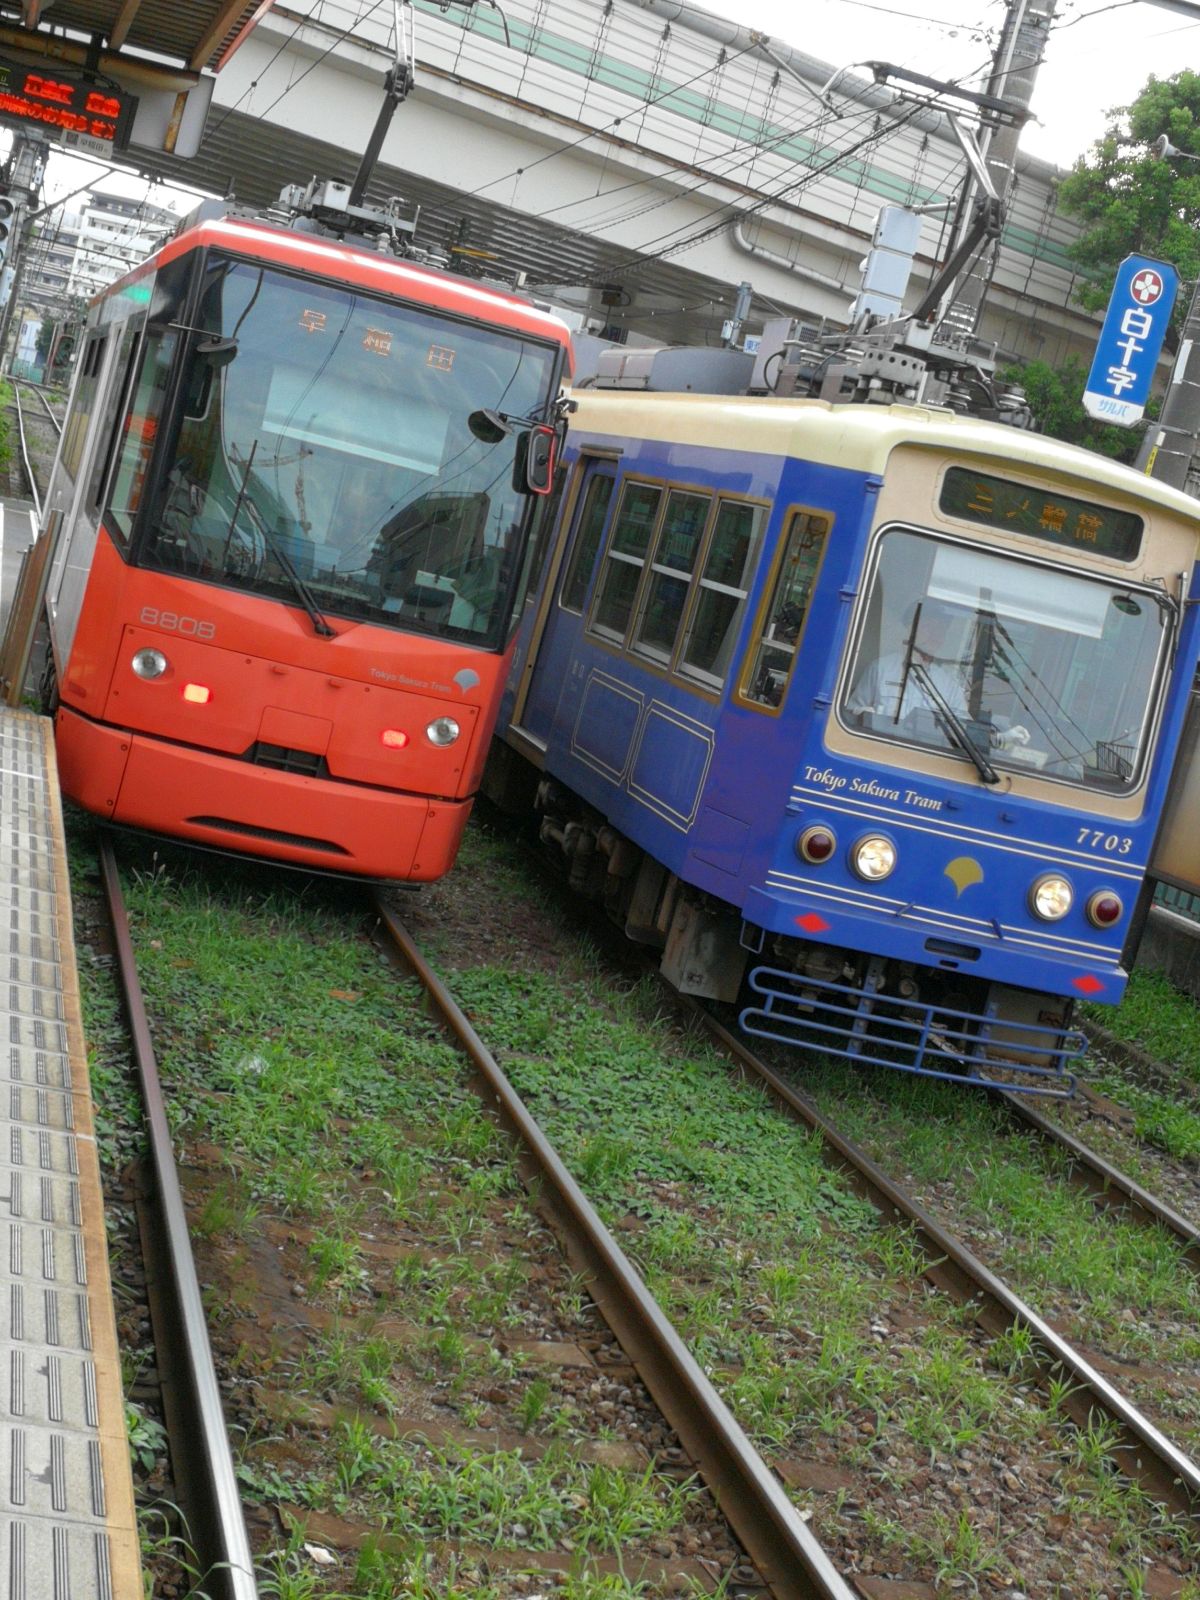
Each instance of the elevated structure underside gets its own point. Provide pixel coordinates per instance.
(634, 159)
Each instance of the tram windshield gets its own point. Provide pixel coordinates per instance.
(323, 446)
(1006, 662)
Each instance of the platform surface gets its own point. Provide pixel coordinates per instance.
(67, 1523)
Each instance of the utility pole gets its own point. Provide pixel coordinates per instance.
(22, 184)
(1014, 71)
(1168, 449)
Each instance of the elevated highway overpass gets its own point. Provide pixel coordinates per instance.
(636, 159)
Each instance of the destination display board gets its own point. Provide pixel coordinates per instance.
(62, 103)
(1041, 514)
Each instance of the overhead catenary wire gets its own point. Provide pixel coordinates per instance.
(728, 214)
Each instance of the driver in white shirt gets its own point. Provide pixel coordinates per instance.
(891, 688)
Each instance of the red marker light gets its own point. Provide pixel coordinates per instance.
(393, 738)
(1104, 909)
(196, 694)
(816, 845)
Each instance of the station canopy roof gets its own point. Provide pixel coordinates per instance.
(194, 33)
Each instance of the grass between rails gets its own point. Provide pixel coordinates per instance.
(287, 1044)
(1157, 1018)
(787, 1288)
(1112, 1284)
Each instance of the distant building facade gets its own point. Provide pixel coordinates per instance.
(79, 249)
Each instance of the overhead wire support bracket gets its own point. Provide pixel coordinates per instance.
(1009, 113)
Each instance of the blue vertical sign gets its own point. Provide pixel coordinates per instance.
(1135, 325)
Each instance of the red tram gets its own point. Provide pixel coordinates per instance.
(290, 520)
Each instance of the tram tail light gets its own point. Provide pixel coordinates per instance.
(393, 738)
(197, 694)
(1104, 909)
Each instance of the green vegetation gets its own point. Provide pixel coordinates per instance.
(1055, 396)
(1129, 200)
(346, 1123)
(6, 400)
(1156, 1017)
(346, 1120)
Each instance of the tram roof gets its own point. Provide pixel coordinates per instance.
(199, 34)
(860, 437)
(351, 263)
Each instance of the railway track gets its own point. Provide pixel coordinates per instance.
(1109, 1187)
(201, 1457)
(789, 1560)
(1143, 1452)
(24, 440)
(748, 1484)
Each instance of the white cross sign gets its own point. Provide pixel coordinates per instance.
(1128, 347)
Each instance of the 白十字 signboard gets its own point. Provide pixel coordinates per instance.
(1127, 350)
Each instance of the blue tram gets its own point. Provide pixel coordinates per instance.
(865, 715)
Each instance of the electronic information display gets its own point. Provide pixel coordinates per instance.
(63, 103)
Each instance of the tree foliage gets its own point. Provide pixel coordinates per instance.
(1055, 396)
(1131, 201)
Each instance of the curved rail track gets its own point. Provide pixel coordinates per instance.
(1110, 1188)
(750, 1492)
(17, 385)
(1143, 1452)
(23, 446)
(200, 1453)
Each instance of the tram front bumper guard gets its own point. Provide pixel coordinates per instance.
(860, 1024)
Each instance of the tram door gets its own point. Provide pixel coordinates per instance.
(547, 675)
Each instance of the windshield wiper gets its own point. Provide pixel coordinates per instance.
(303, 593)
(953, 724)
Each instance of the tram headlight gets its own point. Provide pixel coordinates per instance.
(1104, 909)
(442, 731)
(873, 857)
(149, 664)
(1051, 897)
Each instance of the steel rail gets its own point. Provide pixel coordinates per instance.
(46, 406)
(1108, 1187)
(1143, 1452)
(776, 1538)
(200, 1455)
(29, 478)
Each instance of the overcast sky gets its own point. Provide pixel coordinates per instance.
(1100, 53)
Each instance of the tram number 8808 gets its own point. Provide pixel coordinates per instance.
(191, 626)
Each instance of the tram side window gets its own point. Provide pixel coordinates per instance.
(624, 559)
(106, 430)
(141, 428)
(672, 563)
(80, 419)
(588, 530)
(766, 681)
(721, 601)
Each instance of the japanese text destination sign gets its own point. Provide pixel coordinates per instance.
(62, 103)
(1135, 325)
